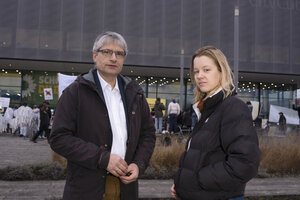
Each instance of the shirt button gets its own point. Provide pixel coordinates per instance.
(105, 145)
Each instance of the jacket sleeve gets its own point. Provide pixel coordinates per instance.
(162, 106)
(63, 138)
(240, 144)
(147, 138)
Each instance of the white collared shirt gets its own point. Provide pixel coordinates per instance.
(195, 105)
(117, 118)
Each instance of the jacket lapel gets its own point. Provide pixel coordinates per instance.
(122, 92)
(96, 79)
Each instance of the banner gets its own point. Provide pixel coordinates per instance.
(298, 98)
(64, 81)
(4, 101)
(290, 115)
(48, 94)
(33, 84)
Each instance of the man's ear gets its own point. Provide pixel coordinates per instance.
(95, 54)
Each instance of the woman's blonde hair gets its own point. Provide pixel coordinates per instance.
(226, 82)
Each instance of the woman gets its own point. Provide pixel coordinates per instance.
(222, 153)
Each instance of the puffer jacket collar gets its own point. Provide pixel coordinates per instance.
(209, 107)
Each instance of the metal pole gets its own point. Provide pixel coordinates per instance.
(236, 47)
(181, 101)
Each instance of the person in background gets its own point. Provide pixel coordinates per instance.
(103, 127)
(298, 110)
(282, 122)
(35, 121)
(49, 112)
(24, 116)
(44, 122)
(222, 153)
(158, 112)
(3, 124)
(173, 112)
(8, 116)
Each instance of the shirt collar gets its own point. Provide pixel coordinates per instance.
(104, 84)
(195, 105)
(216, 92)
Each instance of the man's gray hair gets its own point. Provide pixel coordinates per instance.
(109, 37)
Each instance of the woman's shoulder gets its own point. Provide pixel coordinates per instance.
(235, 104)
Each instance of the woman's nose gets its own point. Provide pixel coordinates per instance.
(199, 75)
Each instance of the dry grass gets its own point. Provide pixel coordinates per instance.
(166, 156)
(59, 159)
(280, 154)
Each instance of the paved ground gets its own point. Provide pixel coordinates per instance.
(16, 151)
(19, 151)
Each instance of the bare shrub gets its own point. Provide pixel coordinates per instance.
(280, 154)
(52, 171)
(167, 156)
(59, 159)
(16, 173)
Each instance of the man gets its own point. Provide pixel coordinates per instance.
(282, 122)
(104, 128)
(158, 112)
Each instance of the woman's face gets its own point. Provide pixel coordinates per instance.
(206, 74)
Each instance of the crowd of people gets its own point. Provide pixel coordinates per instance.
(26, 121)
(174, 120)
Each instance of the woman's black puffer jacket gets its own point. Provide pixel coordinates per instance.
(221, 155)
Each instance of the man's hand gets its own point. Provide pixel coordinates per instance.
(117, 166)
(132, 174)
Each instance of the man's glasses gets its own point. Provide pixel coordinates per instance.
(109, 53)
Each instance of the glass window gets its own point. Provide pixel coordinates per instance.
(10, 86)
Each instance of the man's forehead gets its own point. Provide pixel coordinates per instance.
(112, 44)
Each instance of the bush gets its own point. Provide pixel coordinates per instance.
(53, 171)
(163, 173)
(16, 173)
(167, 157)
(280, 155)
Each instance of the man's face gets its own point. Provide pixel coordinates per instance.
(109, 65)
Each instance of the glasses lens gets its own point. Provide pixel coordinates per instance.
(109, 52)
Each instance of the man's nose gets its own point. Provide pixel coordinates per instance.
(113, 56)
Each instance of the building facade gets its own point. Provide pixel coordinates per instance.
(39, 38)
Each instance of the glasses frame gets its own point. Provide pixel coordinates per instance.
(109, 53)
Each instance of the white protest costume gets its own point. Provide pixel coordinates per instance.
(24, 116)
(2, 124)
(35, 121)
